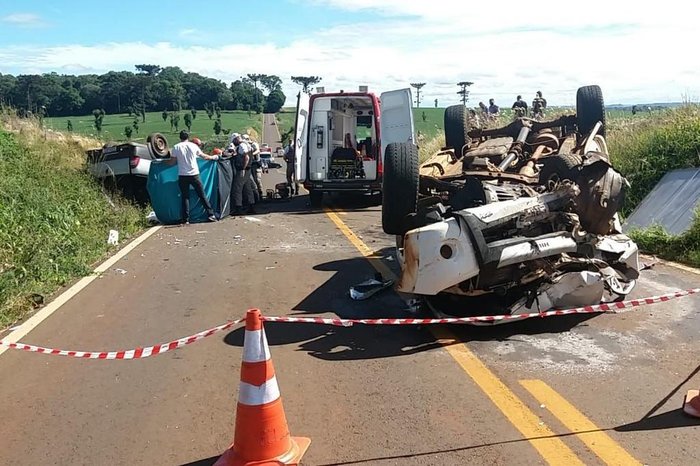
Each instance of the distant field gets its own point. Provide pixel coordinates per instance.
(429, 128)
(433, 126)
(113, 125)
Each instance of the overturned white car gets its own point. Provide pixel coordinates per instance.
(511, 220)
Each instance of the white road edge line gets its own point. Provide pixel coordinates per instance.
(30, 324)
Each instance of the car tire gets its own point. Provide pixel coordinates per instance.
(590, 109)
(559, 168)
(158, 145)
(316, 198)
(456, 127)
(399, 186)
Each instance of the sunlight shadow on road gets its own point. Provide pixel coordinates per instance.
(204, 462)
(371, 342)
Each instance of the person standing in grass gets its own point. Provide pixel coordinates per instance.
(494, 110)
(185, 154)
(538, 106)
(519, 107)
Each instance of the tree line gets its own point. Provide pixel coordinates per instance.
(150, 88)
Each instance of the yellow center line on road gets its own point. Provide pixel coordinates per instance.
(609, 451)
(544, 440)
(365, 250)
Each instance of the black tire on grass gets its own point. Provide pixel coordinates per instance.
(399, 186)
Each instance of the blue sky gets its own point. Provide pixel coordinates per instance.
(632, 52)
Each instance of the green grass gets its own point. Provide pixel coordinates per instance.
(644, 149)
(54, 219)
(113, 125)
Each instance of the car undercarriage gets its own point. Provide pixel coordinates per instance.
(517, 219)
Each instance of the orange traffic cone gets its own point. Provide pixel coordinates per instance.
(691, 405)
(261, 437)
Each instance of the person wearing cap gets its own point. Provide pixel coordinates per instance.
(242, 181)
(185, 155)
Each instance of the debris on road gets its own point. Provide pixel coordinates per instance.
(113, 238)
(120, 271)
(369, 288)
(151, 217)
(253, 219)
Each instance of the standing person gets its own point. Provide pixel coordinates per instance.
(538, 105)
(494, 110)
(484, 110)
(255, 165)
(519, 107)
(185, 154)
(291, 159)
(242, 181)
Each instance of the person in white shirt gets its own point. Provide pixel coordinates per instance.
(185, 154)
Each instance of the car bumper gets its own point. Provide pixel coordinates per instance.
(349, 185)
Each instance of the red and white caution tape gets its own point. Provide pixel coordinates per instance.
(138, 353)
(611, 307)
(141, 353)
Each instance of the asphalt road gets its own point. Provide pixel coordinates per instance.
(604, 389)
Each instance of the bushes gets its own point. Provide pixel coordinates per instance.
(683, 248)
(54, 219)
(645, 149)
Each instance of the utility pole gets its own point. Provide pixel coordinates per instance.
(463, 91)
(418, 87)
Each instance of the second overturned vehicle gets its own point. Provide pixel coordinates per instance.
(512, 220)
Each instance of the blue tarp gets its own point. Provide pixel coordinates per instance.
(165, 196)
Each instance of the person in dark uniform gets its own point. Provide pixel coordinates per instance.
(291, 160)
(538, 105)
(243, 182)
(519, 107)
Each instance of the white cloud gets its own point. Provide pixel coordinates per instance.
(632, 52)
(26, 20)
(187, 33)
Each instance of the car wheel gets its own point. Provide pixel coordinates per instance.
(158, 145)
(559, 168)
(399, 186)
(590, 109)
(456, 127)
